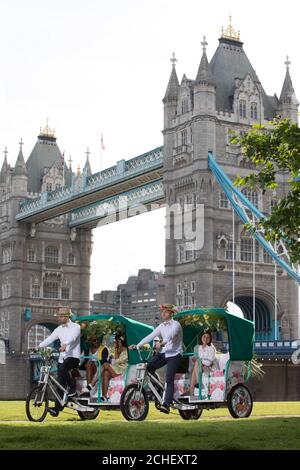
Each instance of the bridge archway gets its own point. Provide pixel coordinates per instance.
(264, 312)
(36, 331)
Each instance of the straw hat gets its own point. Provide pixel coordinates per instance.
(63, 312)
(169, 307)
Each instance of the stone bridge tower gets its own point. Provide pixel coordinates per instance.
(43, 266)
(200, 115)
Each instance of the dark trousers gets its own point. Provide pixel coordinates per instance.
(158, 361)
(63, 372)
(64, 376)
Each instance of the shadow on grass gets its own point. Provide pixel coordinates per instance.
(266, 433)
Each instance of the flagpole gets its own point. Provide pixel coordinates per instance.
(101, 154)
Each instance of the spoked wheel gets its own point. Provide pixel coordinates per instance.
(191, 414)
(240, 401)
(37, 404)
(134, 403)
(88, 415)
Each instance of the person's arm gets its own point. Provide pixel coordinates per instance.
(210, 355)
(150, 337)
(105, 354)
(53, 337)
(122, 359)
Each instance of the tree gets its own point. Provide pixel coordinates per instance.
(273, 151)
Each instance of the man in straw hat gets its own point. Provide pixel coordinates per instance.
(68, 333)
(170, 334)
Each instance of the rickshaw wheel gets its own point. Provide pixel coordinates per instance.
(36, 410)
(88, 415)
(240, 402)
(191, 414)
(134, 403)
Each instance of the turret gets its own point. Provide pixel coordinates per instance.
(204, 89)
(20, 175)
(87, 166)
(4, 169)
(288, 103)
(171, 95)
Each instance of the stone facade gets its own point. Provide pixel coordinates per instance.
(42, 266)
(139, 297)
(200, 115)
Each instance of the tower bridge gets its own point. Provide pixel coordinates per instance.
(121, 179)
(48, 211)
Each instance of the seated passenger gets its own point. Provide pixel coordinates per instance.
(205, 351)
(97, 352)
(108, 371)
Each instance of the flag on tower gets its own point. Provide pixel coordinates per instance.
(102, 143)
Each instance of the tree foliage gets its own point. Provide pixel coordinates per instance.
(275, 152)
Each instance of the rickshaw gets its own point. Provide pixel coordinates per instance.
(223, 385)
(103, 326)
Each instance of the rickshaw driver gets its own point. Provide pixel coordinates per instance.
(170, 332)
(68, 333)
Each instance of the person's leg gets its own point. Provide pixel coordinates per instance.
(194, 378)
(91, 369)
(172, 366)
(107, 373)
(69, 364)
(156, 362)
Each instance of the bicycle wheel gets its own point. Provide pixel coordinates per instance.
(88, 415)
(37, 404)
(134, 403)
(240, 401)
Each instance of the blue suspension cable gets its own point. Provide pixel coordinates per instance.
(235, 196)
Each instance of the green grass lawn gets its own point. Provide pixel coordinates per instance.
(214, 430)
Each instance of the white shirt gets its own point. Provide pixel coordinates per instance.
(171, 333)
(207, 354)
(68, 334)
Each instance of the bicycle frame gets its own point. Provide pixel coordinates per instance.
(143, 374)
(47, 380)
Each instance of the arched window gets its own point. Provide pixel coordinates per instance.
(254, 112)
(184, 137)
(229, 251)
(71, 258)
(31, 255)
(51, 289)
(184, 106)
(36, 335)
(4, 324)
(252, 195)
(6, 255)
(223, 201)
(243, 108)
(51, 255)
(35, 289)
(6, 290)
(247, 249)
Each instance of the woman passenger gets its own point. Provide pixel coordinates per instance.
(205, 351)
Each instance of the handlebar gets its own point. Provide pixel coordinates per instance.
(140, 355)
(46, 353)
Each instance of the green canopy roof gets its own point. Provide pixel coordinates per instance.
(135, 331)
(240, 331)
